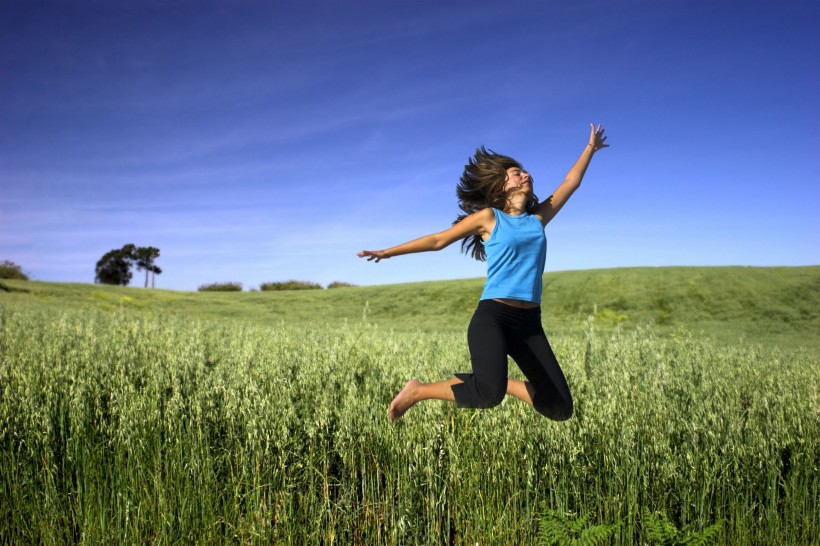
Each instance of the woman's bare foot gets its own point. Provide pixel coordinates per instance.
(403, 401)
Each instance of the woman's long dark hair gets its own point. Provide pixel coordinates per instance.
(482, 186)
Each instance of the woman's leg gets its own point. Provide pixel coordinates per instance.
(546, 389)
(523, 390)
(484, 388)
(415, 391)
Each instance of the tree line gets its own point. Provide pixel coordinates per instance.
(10, 270)
(115, 266)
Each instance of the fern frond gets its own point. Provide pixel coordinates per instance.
(597, 535)
(658, 528)
(706, 537)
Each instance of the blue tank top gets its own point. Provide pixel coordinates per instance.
(516, 252)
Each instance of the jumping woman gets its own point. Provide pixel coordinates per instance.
(503, 223)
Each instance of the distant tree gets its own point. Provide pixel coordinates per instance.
(115, 266)
(144, 257)
(155, 270)
(10, 270)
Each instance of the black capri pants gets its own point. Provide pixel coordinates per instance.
(497, 330)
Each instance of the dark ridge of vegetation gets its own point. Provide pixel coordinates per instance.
(340, 284)
(5, 287)
(10, 270)
(289, 285)
(221, 287)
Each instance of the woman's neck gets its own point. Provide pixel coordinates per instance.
(515, 206)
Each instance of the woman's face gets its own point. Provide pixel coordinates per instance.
(518, 180)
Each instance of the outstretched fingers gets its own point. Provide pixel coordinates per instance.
(371, 255)
(596, 137)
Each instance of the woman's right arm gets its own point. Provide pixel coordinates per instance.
(478, 223)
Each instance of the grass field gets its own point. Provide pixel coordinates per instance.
(140, 416)
(779, 306)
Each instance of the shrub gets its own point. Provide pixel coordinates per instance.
(10, 270)
(339, 284)
(289, 285)
(221, 287)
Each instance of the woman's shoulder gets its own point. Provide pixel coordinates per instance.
(483, 215)
(481, 222)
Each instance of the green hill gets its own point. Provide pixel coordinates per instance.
(770, 305)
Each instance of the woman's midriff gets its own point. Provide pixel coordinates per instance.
(517, 303)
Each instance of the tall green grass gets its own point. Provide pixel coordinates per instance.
(118, 426)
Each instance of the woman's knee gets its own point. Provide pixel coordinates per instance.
(557, 410)
(492, 393)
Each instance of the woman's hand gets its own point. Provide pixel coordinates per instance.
(371, 255)
(596, 138)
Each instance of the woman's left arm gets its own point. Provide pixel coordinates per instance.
(550, 207)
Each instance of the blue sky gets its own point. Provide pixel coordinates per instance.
(266, 141)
